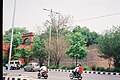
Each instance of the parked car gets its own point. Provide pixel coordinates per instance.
(32, 67)
(14, 65)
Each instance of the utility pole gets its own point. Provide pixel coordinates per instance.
(49, 38)
(49, 45)
(11, 36)
(50, 34)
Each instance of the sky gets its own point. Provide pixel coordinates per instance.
(97, 15)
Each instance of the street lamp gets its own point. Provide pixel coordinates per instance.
(50, 34)
(51, 11)
(11, 36)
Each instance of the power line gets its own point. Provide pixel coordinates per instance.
(97, 17)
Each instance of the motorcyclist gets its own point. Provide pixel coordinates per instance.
(43, 68)
(78, 70)
(43, 72)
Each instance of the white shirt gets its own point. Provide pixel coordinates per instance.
(76, 69)
(44, 68)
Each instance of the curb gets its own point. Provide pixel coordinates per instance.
(104, 73)
(84, 72)
(14, 78)
(19, 77)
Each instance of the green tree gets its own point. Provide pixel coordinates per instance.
(23, 53)
(26, 55)
(17, 37)
(38, 49)
(110, 45)
(17, 53)
(77, 47)
(4, 56)
(90, 37)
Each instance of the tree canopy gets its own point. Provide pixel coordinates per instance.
(77, 47)
(17, 36)
(109, 45)
(38, 49)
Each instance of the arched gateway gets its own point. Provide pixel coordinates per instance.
(28, 36)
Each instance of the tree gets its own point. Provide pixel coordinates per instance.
(77, 47)
(38, 49)
(90, 37)
(53, 33)
(26, 55)
(17, 53)
(55, 58)
(17, 37)
(4, 56)
(110, 45)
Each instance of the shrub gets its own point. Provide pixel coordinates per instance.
(72, 67)
(93, 68)
(68, 67)
(100, 68)
(86, 68)
(109, 70)
(63, 67)
(23, 65)
(116, 69)
(52, 67)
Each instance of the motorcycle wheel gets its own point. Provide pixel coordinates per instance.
(39, 75)
(80, 78)
(46, 76)
(71, 76)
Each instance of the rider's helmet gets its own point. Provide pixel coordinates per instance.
(77, 65)
(43, 64)
(80, 65)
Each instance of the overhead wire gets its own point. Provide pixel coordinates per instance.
(97, 17)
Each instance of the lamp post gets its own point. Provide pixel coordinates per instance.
(11, 36)
(50, 34)
(49, 43)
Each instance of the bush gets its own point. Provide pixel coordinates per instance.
(113, 70)
(109, 70)
(93, 68)
(63, 67)
(68, 67)
(23, 65)
(86, 68)
(52, 67)
(116, 69)
(100, 68)
(72, 67)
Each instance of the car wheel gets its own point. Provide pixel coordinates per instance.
(32, 70)
(24, 69)
(6, 68)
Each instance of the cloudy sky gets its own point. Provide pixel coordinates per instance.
(97, 15)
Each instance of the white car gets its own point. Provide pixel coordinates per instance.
(14, 64)
(32, 67)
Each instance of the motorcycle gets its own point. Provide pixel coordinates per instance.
(42, 74)
(74, 75)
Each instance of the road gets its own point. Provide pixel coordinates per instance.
(54, 75)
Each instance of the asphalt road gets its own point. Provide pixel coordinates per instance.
(54, 75)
